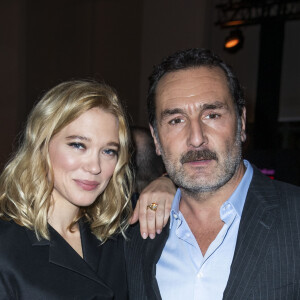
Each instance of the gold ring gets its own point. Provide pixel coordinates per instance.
(152, 206)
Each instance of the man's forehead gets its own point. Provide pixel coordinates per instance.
(191, 72)
(193, 85)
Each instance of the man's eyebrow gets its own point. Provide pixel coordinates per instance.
(78, 137)
(206, 106)
(169, 112)
(215, 105)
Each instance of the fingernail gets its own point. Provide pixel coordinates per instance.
(144, 235)
(152, 236)
(158, 231)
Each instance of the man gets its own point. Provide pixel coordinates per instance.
(233, 233)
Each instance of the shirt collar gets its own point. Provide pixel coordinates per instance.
(237, 199)
(174, 214)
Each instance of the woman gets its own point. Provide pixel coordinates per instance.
(65, 199)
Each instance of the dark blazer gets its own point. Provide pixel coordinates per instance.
(266, 262)
(31, 269)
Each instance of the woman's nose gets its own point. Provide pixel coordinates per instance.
(93, 164)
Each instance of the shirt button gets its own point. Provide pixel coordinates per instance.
(175, 216)
(200, 275)
(227, 206)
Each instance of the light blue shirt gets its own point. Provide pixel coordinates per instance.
(182, 271)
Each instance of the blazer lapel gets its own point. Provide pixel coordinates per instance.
(152, 250)
(62, 254)
(257, 229)
(90, 246)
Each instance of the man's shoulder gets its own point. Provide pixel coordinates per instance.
(288, 194)
(261, 180)
(284, 186)
(284, 189)
(273, 194)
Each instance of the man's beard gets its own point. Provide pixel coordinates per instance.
(227, 165)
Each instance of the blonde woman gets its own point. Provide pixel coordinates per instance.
(65, 199)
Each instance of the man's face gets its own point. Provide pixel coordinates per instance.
(198, 133)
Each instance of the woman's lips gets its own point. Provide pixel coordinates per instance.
(87, 185)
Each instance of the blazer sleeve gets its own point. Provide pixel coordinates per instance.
(6, 291)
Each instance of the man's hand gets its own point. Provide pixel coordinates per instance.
(160, 191)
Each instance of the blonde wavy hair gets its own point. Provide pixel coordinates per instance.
(25, 184)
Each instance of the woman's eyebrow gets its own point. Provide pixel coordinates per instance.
(78, 137)
(114, 144)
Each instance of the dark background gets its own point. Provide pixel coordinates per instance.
(44, 42)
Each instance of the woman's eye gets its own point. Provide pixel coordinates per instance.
(176, 121)
(111, 152)
(79, 146)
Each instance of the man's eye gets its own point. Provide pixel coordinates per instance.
(111, 152)
(79, 146)
(212, 116)
(176, 121)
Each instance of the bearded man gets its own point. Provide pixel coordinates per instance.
(233, 233)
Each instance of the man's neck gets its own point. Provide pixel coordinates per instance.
(202, 211)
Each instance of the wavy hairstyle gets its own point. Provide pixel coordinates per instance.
(25, 184)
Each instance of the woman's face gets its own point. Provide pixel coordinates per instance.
(84, 155)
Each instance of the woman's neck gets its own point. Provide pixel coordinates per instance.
(60, 216)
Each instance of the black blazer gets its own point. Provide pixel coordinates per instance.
(31, 269)
(266, 262)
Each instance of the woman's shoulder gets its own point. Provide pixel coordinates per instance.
(11, 233)
(9, 226)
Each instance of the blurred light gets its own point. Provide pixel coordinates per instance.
(269, 172)
(234, 41)
(234, 23)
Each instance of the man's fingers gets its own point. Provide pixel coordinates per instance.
(160, 218)
(143, 216)
(151, 215)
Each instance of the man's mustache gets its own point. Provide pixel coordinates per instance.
(194, 155)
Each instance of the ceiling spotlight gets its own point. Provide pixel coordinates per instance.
(234, 41)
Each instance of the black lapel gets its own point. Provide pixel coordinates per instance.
(62, 254)
(257, 229)
(90, 245)
(152, 250)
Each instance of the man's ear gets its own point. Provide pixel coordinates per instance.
(243, 124)
(156, 143)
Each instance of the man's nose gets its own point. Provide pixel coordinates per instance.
(196, 134)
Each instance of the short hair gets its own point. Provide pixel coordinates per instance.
(187, 59)
(25, 184)
(147, 164)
